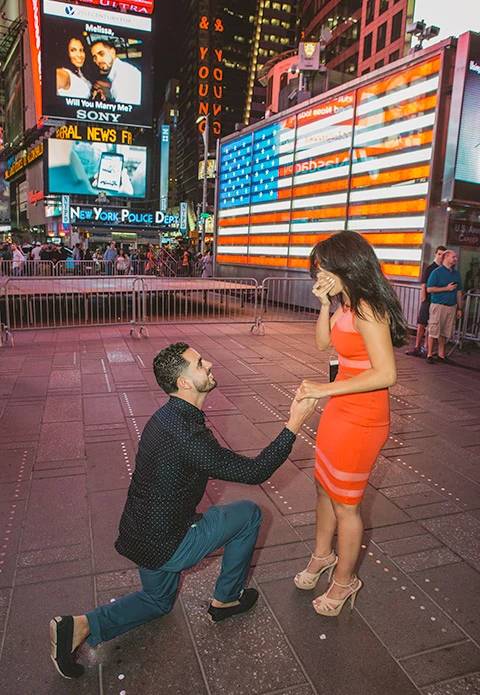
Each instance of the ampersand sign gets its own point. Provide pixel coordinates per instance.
(203, 24)
(218, 25)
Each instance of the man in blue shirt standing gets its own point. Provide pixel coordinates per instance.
(109, 258)
(445, 288)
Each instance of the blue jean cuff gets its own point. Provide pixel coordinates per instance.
(228, 599)
(94, 638)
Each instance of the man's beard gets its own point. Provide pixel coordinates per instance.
(208, 385)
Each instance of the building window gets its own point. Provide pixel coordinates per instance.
(370, 11)
(367, 45)
(394, 56)
(383, 6)
(396, 26)
(364, 72)
(379, 64)
(381, 36)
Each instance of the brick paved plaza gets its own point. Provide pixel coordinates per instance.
(72, 406)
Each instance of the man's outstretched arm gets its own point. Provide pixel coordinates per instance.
(205, 453)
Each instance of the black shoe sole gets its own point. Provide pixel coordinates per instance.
(61, 636)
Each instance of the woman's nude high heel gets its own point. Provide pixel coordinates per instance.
(308, 580)
(324, 605)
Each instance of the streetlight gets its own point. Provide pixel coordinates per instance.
(205, 180)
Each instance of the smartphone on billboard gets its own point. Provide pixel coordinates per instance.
(110, 170)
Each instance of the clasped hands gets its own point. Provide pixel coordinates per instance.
(312, 389)
(303, 405)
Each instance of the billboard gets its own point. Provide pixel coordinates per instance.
(141, 6)
(461, 181)
(359, 161)
(467, 169)
(90, 168)
(12, 80)
(95, 65)
(4, 195)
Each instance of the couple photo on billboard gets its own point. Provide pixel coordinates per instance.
(94, 64)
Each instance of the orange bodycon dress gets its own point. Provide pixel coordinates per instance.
(354, 427)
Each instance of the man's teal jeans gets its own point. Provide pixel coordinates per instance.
(233, 526)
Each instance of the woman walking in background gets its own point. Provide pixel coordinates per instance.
(355, 423)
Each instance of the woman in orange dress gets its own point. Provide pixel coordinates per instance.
(355, 423)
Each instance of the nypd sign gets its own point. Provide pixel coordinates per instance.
(97, 215)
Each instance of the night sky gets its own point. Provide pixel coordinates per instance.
(166, 41)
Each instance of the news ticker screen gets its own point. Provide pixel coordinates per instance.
(95, 64)
(360, 161)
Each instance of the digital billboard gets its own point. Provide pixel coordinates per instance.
(12, 80)
(141, 6)
(467, 170)
(359, 161)
(90, 168)
(95, 65)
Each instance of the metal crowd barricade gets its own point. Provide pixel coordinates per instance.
(470, 325)
(71, 267)
(55, 302)
(190, 299)
(287, 299)
(26, 268)
(409, 296)
(291, 299)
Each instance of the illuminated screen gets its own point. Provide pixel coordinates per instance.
(96, 65)
(141, 6)
(89, 168)
(467, 170)
(359, 162)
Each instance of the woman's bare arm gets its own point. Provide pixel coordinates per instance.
(63, 78)
(382, 373)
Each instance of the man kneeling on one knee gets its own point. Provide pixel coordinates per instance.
(160, 529)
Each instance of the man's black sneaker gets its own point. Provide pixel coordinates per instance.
(431, 360)
(246, 601)
(444, 360)
(414, 352)
(61, 639)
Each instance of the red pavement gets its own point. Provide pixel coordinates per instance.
(73, 403)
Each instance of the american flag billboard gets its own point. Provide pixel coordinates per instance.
(359, 161)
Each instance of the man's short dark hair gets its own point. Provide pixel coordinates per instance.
(168, 366)
(440, 248)
(106, 42)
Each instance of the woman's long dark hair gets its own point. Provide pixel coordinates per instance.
(349, 256)
(86, 70)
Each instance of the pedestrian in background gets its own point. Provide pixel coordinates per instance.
(122, 263)
(109, 258)
(207, 265)
(18, 260)
(425, 299)
(445, 288)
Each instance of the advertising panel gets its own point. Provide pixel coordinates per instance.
(12, 79)
(359, 161)
(467, 170)
(4, 195)
(164, 164)
(96, 65)
(461, 179)
(141, 6)
(89, 168)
